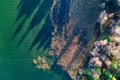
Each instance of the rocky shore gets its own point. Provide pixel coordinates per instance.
(86, 39)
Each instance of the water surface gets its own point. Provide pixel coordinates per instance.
(16, 62)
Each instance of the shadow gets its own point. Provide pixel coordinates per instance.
(26, 9)
(58, 69)
(39, 11)
(37, 18)
(60, 13)
(19, 28)
(112, 6)
(65, 48)
(43, 39)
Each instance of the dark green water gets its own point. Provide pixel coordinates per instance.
(16, 62)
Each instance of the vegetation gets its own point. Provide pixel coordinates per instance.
(113, 73)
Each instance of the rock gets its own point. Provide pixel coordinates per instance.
(103, 42)
(94, 52)
(41, 63)
(81, 71)
(95, 74)
(102, 17)
(117, 31)
(96, 62)
(116, 39)
(35, 61)
(107, 62)
(103, 57)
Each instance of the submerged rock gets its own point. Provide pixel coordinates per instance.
(74, 23)
(41, 63)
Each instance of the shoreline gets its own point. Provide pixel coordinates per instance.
(72, 44)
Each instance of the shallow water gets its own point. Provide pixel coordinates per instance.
(15, 61)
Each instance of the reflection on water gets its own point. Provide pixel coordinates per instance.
(16, 62)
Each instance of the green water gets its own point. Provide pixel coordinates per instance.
(16, 62)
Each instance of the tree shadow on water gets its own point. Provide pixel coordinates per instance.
(39, 10)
